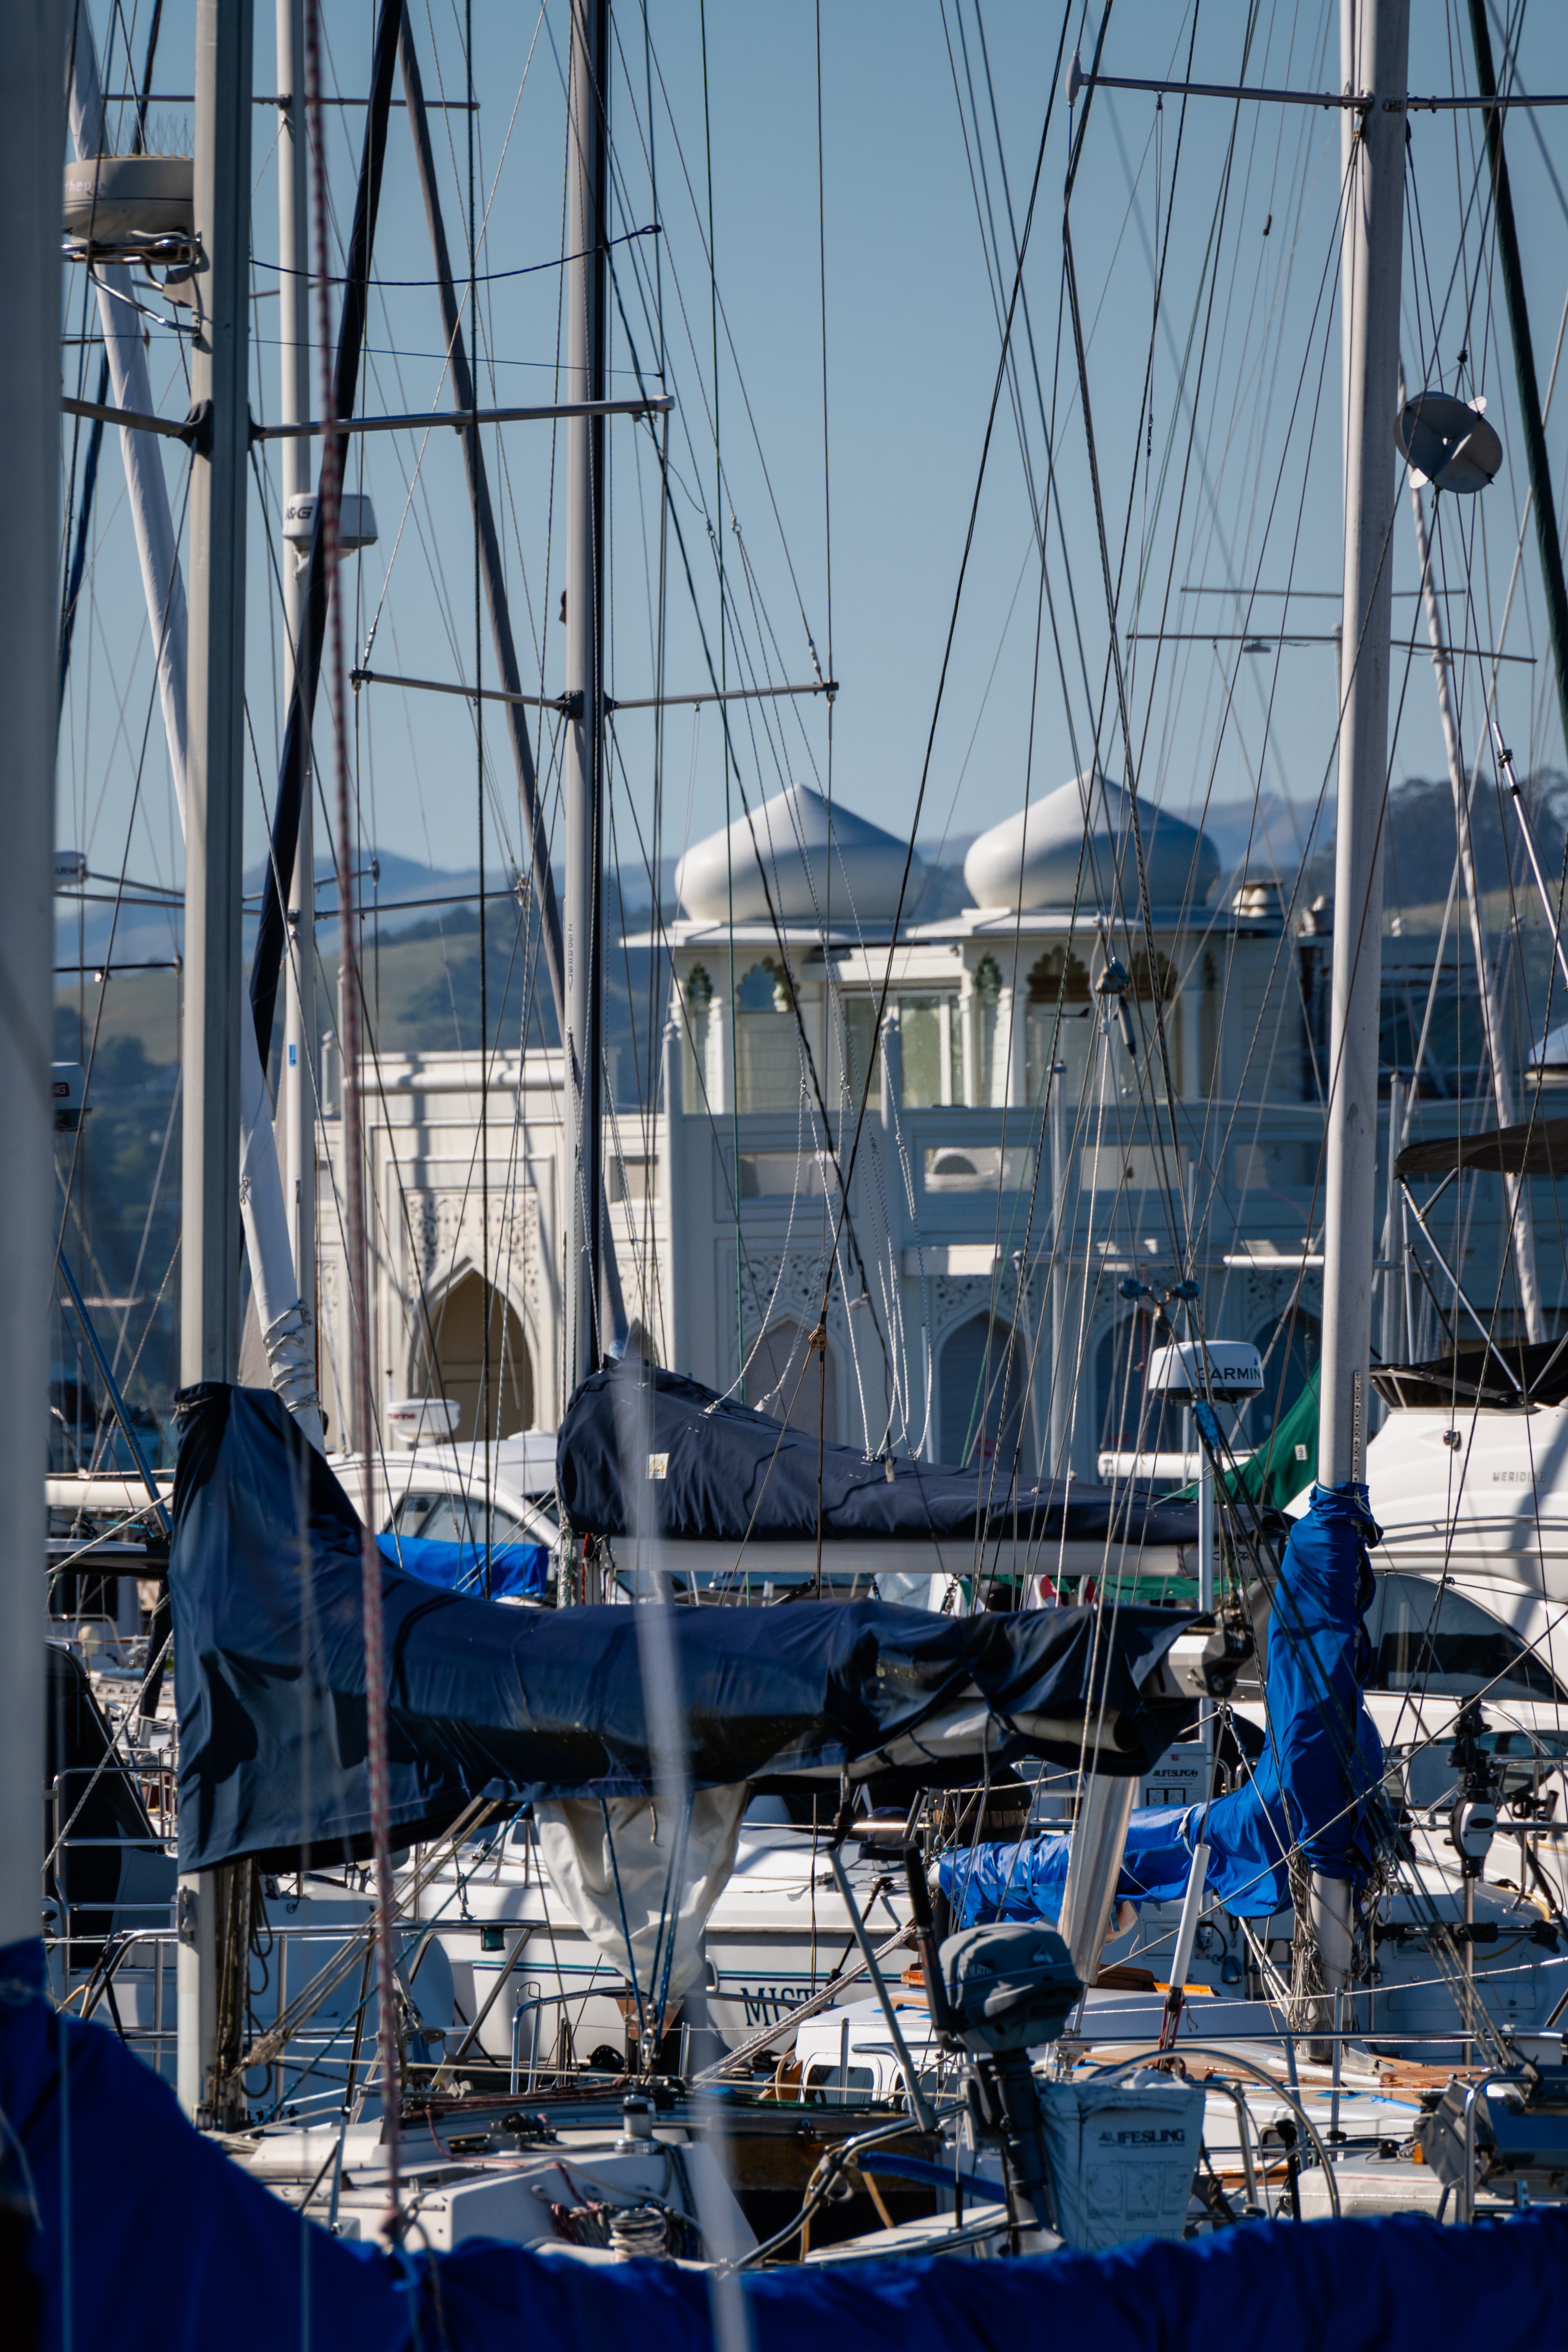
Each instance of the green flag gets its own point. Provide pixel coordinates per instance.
(1284, 1463)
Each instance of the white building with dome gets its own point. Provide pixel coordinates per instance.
(1002, 1230)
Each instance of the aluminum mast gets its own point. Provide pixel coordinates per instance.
(287, 1340)
(215, 798)
(1374, 50)
(583, 939)
(298, 1079)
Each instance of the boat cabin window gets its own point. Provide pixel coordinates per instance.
(827, 2085)
(455, 1518)
(1424, 1639)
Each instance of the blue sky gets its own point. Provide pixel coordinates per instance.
(1235, 480)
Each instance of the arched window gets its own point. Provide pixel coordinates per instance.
(767, 1051)
(456, 1368)
(782, 1379)
(1046, 978)
(764, 989)
(1142, 983)
(981, 1393)
(1127, 1420)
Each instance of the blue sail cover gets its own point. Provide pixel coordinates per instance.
(736, 1474)
(517, 1571)
(1327, 1752)
(1316, 1781)
(180, 2248)
(487, 1700)
(1245, 1832)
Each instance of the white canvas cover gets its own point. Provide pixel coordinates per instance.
(626, 1864)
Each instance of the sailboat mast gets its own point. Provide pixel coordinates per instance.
(32, 129)
(582, 929)
(214, 692)
(1375, 47)
(297, 1082)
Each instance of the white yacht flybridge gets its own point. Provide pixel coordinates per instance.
(1469, 1473)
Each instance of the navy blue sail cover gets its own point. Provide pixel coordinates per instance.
(487, 1699)
(183, 2248)
(1316, 1783)
(732, 1473)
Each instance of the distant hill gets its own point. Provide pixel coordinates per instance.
(1419, 844)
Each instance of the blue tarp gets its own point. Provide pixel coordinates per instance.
(265, 1577)
(518, 1571)
(1314, 1782)
(145, 2237)
(735, 1474)
(1247, 1840)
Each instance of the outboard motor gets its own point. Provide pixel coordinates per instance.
(1008, 1987)
(997, 1992)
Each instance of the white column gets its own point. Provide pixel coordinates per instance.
(1189, 1014)
(32, 131)
(964, 1014)
(892, 1061)
(1010, 1062)
(720, 1013)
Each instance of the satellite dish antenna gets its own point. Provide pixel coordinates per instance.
(1448, 442)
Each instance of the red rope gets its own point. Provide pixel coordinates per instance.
(330, 500)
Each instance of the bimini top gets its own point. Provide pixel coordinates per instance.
(506, 1703)
(1076, 847)
(729, 1475)
(845, 871)
(1536, 1147)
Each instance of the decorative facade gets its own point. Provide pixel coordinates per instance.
(1034, 1106)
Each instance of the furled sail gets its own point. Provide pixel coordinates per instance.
(1317, 1783)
